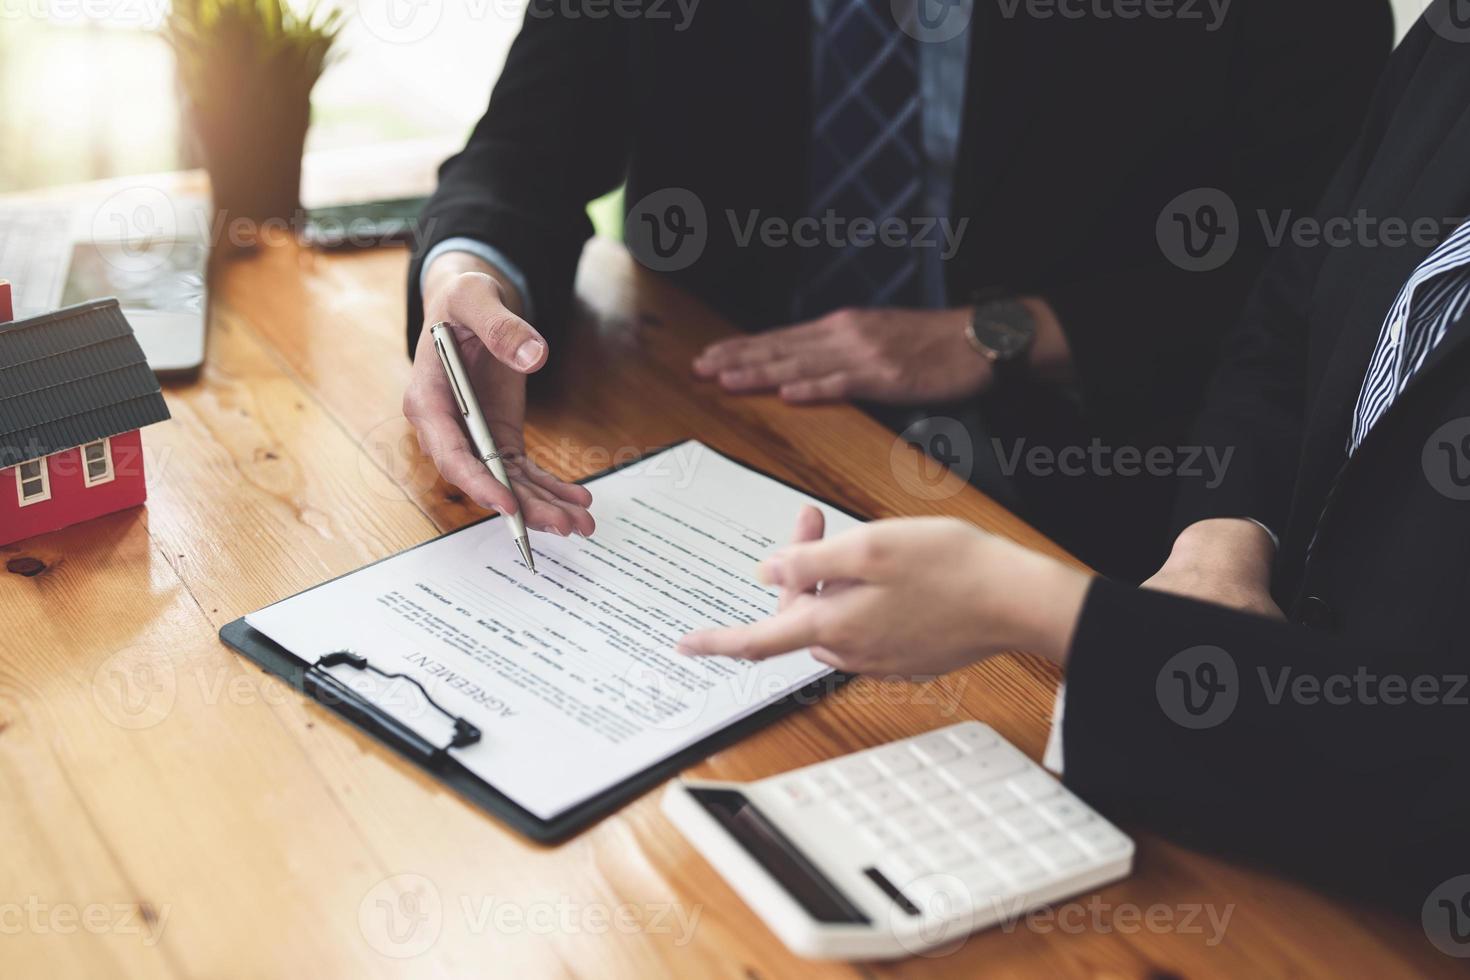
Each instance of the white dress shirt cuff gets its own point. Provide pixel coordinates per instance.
(1052, 758)
(486, 253)
(1275, 541)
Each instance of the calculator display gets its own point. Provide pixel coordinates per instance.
(781, 859)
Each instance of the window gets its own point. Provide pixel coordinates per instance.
(33, 482)
(97, 458)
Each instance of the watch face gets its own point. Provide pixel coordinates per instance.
(1005, 327)
(1002, 338)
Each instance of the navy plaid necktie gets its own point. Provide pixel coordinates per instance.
(864, 159)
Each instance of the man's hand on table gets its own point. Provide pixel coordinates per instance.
(897, 356)
(499, 349)
(1226, 561)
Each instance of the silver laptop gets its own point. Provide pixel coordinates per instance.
(146, 248)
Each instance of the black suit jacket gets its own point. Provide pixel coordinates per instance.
(1075, 135)
(1371, 794)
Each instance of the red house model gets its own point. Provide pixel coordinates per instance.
(75, 389)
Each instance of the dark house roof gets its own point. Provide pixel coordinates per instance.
(72, 377)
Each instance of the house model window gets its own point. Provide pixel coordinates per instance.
(33, 481)
(97, 458)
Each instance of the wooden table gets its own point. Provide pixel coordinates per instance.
(169, 810)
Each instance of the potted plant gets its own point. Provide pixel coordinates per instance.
(246, 70)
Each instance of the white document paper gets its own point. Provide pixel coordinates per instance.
(571, 675)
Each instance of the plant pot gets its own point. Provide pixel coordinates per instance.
(251, 141)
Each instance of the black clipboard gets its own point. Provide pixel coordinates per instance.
(307, 678)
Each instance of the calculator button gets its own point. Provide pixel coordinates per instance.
(915, 823)
(880, 834)
(982, 767)
(1100, 839)
(956, 811)
(1025, 825)
(1064, 811)
(934, 748)
(1017, 866)
(825, 783)
(981, 881)
(972, 737)
(1059, 853)
(1034, 785)
(849, 808)
(795, 791)
(946, 851)
(987, 838)
(1002, 761)
(857, 771)
(925, 786)
(884, 796)
(995, 798)
(965, 772)
(896, 760)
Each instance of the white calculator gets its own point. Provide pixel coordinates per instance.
(901, 848)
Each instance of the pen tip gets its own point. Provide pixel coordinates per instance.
(524, 547)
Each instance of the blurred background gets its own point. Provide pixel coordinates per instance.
(88, 87)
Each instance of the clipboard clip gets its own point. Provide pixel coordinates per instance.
(331, 692)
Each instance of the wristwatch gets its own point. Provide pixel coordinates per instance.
(1002, 331)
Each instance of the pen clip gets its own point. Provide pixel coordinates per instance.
(449, 372)
(333, 693)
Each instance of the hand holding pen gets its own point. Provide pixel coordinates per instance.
(479, 429)
(487, 336)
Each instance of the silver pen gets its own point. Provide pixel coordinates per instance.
(474, 420)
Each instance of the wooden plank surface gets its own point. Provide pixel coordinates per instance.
(172, 811)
